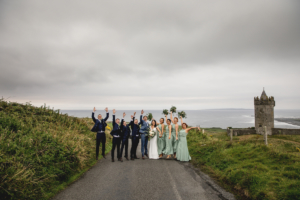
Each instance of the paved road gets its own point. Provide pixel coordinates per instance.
(143, 179)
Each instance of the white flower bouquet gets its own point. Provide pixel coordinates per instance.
(152, 134)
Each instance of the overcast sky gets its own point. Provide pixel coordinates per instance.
(194, 54)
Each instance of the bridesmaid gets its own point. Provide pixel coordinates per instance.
(174, 133)
(161, 138)
(182, 149)
(169, 147)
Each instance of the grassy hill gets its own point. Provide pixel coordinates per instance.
(248, 167)
(41, 150)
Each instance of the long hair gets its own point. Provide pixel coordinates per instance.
(185, 124)
(154, 121)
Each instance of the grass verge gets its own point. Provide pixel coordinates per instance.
(246, 166)
(42, 151)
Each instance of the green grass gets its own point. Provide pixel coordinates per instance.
(42, 151)
(246, 166)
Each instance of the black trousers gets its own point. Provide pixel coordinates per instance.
(124, 143)
(101, 138)
(115, 142)
(134, 145)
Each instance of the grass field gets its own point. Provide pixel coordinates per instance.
(42, 151)
(246, 166)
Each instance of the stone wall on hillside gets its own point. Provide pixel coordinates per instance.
(241, 131)
(284, 131)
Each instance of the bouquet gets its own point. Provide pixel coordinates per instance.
(182, 114)
(152, 134)
(165, 112)
(149, 116)
(173, 109)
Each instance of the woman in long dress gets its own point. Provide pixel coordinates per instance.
(182, 148)
(153, 152)
(161, 138)
(169, 146)
(175, 138)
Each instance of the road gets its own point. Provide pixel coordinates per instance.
(143, 179)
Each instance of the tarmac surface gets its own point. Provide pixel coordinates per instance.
(143, 179)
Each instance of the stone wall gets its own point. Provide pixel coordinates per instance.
(241, 131)
(283, 131)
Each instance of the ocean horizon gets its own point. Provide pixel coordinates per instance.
(206, 118)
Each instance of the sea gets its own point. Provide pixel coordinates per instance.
(221, 118)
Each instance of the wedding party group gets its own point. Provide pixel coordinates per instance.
(165, 139)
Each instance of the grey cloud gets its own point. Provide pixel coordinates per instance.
(92, 49)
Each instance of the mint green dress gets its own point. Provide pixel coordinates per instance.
(182, 153)
(160, 141)
(174, 141)
(169, 146)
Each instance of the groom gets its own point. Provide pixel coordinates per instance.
(144, 134)
(99, 127)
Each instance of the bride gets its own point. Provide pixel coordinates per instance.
(153, 153)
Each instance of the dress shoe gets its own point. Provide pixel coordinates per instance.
(96, 157)
(112, 160)
(147, 155)
(104, 156)
(143, 158)
(136, 158)
(131, 158)
(121, 160)
(126, 158)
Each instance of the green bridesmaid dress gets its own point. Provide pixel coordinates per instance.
(182, 153)
(169, 147)
(160, 141)
(174, 141)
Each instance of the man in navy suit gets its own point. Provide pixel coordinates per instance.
(144, 134)
(125, 132)
(135, 128)
(99, 127)
(116, 138)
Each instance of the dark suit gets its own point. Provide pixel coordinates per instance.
(135, 128)
(125, 132)
(116, 139)
(99, 127)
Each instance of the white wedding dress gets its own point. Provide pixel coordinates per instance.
(153, 153)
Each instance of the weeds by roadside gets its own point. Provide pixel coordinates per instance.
(247, 166)
(41, 149)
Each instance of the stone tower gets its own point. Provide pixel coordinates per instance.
(264, 113)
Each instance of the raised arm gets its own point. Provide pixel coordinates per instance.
(122, 126)
(141, 117)
(181, 120)
(114, 117)
(93, 115)
(166, 118)
(171, 116)
(131, 122)
(107, 114)
(188, 129)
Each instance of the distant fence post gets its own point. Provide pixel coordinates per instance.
(203, 131)
(266, 135)
(231, 134)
